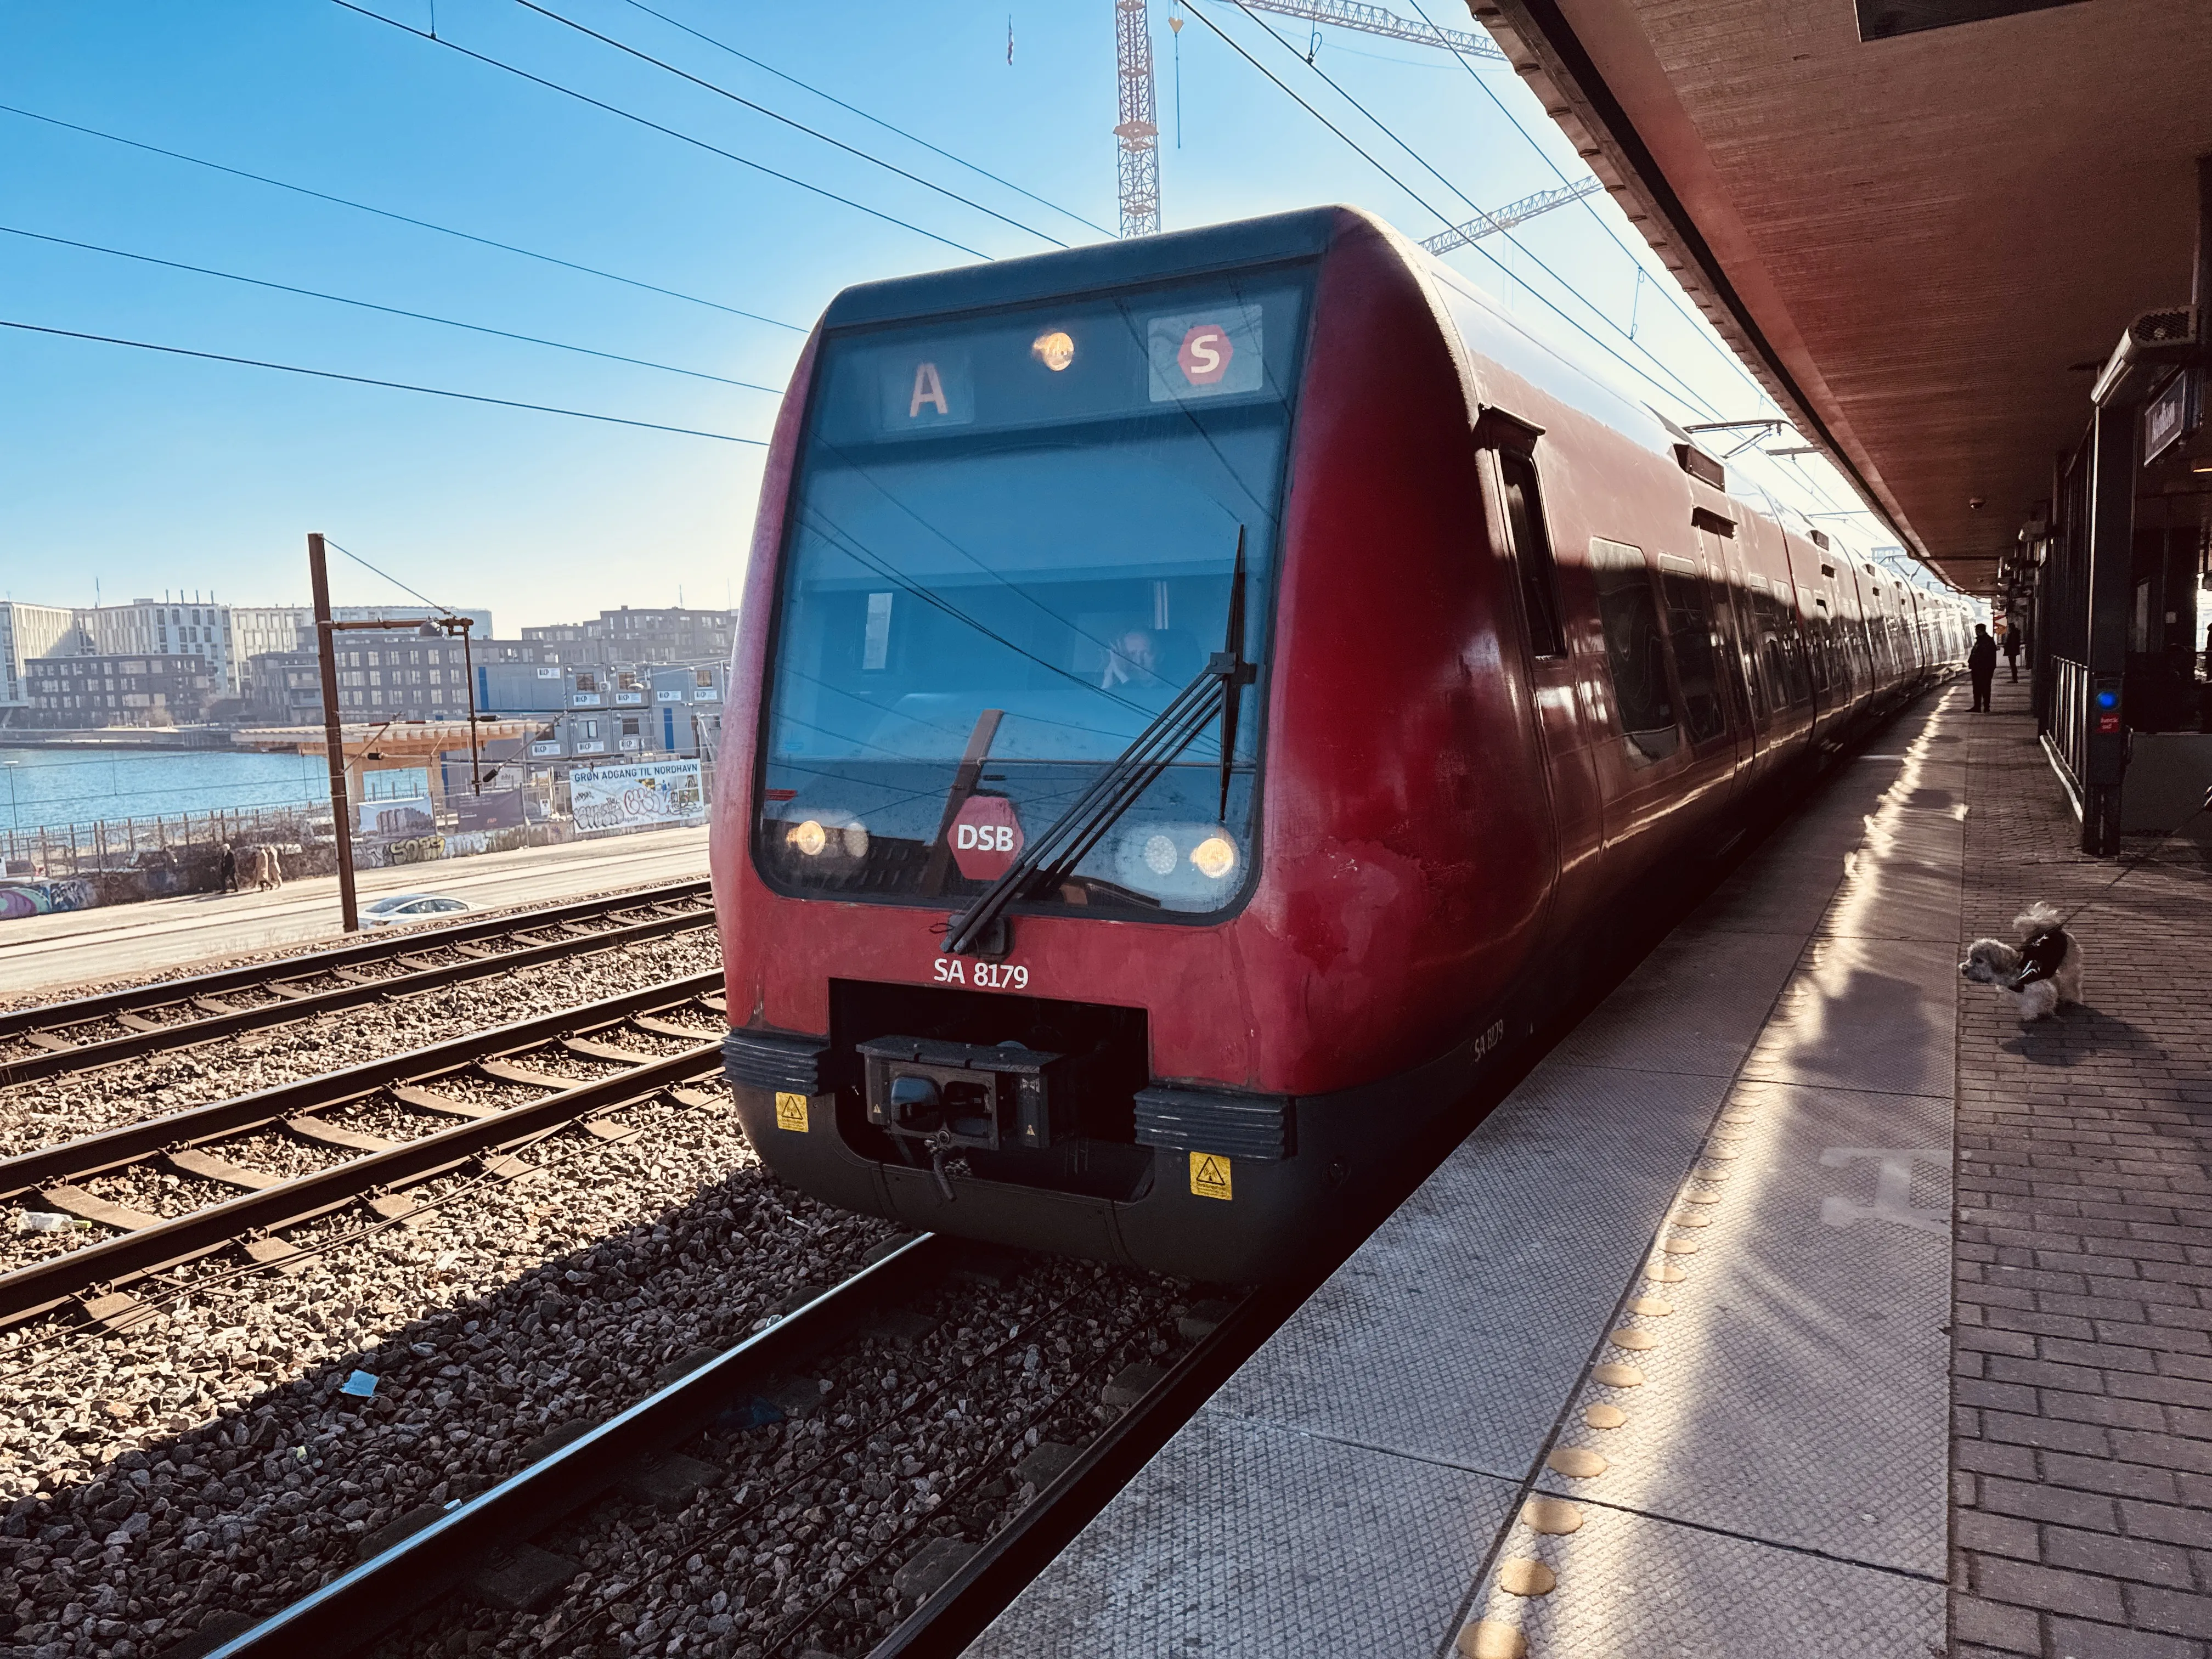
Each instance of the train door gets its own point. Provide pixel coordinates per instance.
(1777, 640)
(1701, 677)
(1748, 707)
(1642, 756)
(1554, 678)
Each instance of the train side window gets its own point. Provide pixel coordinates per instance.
(1635, 652)
(1531, 553)
(1697, 668)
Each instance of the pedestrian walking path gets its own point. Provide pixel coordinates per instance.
(42, 955)
(2082, 1446)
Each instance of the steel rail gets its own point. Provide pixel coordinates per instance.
(353, 1609)
(129, 1143)
(58, 1054)
(56, 1280)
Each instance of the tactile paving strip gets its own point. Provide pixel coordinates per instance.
(1632, 1588)
(1825, 1270)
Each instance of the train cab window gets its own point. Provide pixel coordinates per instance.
(1532, 554)
(1635, 651)
(1697, 665)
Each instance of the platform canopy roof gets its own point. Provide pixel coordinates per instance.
(1923, 240)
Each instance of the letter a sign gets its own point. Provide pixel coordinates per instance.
(986, 836)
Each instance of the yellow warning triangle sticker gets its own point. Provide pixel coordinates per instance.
(1209, 1175)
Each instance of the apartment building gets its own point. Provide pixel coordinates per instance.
(97, 690)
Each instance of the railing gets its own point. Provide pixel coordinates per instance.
(117, 844)
(2068, 739)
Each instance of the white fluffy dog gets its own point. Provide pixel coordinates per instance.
(2036, 976)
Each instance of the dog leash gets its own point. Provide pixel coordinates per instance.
(2137, 862)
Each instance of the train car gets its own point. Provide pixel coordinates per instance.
(1199, 702)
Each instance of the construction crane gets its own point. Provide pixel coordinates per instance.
(1140, 130)
(1373, 20)
(1512, 214)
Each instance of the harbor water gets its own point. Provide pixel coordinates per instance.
(53, 788)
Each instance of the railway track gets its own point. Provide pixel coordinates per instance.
(496, 1090)
(482, 1547)
(87, 1032)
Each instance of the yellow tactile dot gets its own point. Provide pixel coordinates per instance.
(1701, 1198)
(1694, 1219)
(1712, 1174)
(1739, 1114)
(1492, 1638)
(1651, 1307)
(1577, 1462)
(1634, 1340)
(1552, 1515)
(1679, 1246)
(1526, 1578)
(1604, 1417)
(1722, 1152)
(1665, 1272)
(1617, 1376)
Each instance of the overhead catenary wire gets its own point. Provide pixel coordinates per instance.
(796, 125)
(416, 591)
(1700, 327)
(1688, 393)
(761, 168)
(390, 311)
(1441, 218)
(1598, 219)
(366, 380)
(400, 218)
(875, 121)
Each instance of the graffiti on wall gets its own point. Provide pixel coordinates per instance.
(44, 898)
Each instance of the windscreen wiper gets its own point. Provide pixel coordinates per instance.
(1054, 855)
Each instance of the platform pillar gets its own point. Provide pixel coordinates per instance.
(2112, 570)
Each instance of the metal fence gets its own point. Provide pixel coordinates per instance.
(114, 845)
(2066, 735)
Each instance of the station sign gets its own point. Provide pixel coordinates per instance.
(2170, 412)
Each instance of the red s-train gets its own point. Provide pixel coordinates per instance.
(1197, 700)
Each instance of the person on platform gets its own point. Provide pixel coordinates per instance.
(1982, 666)
(2012, 648)
(229, 868)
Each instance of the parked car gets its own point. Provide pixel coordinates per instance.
(397, 909)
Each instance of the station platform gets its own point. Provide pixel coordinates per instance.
(1660, 1360)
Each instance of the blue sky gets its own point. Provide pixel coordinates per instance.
(142, 472)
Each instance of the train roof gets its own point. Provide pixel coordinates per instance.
(1564, 369)
(1097, 267)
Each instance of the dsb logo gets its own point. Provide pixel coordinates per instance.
(986, 837)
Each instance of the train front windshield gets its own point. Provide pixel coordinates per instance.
(1012, 543)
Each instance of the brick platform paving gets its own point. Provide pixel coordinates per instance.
(2082, 1438)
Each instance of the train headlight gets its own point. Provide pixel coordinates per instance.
(1054, 350)
(809, 838)
(1214, 858)
(1160, 855)
(856, 839)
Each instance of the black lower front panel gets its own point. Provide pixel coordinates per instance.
(1256, 1208)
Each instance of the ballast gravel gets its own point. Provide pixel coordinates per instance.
(206, 1463)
